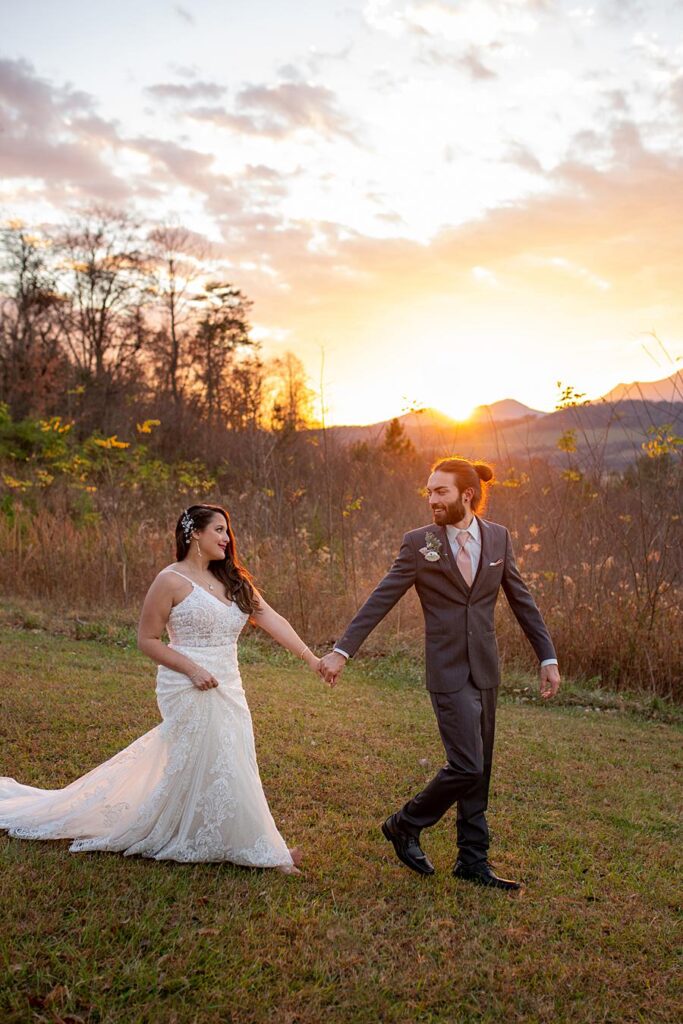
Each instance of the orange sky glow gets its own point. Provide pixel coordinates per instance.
(431, 202)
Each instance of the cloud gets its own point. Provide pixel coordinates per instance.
(190, 167)
(575, 270)
(184, 14)
(595, 256)
(33, 100)
(279, 111)
(54, 135)
(198, 90)
(611, 230)
(295, 105)
(317, 59)
(485, 276)
(617, 100)
(523, 157)
(471, 61)
(476, 22)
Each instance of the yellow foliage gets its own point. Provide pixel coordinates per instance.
(567, 441)
(55, 426)
(515, 479)
(663, 442)
(146, 427)
(16, 485)
(111, 442)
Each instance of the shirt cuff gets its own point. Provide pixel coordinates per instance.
(549, 661)
(338, 650)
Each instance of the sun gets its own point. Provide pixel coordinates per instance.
(463, 414)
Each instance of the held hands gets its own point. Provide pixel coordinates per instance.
(550, 680)
(328, 667)
(331, 667)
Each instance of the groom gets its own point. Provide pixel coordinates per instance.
(457, 565)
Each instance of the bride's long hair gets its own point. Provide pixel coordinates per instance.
(236, 577)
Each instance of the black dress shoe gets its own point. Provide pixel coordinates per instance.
(482, 874)
(407, 848)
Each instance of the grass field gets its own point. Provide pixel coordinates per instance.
(584, 809)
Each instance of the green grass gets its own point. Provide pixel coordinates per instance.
(583, 809)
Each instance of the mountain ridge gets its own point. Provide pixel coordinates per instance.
(669, 389)
(508, 410)
(608, 435)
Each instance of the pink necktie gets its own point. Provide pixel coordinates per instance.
(463, 561)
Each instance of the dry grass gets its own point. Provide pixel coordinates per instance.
(614, 611)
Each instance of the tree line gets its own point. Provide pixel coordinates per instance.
(107, 321)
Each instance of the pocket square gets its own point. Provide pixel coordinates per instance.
(499, 562)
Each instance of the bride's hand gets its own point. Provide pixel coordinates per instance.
(311, 660)
(203, 679)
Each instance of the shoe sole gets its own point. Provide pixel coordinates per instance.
(418, 871)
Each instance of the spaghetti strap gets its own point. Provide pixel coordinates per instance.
(182, 576)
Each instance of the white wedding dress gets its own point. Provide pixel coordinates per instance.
(188, 790)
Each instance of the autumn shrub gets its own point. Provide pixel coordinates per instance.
(85, 524)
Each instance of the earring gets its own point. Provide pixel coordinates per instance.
(199, 550)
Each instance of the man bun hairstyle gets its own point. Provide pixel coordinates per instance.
(484, 471)
(467, 474)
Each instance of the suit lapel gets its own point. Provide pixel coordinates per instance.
(485, 533)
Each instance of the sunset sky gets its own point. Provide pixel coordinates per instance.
(455, 202)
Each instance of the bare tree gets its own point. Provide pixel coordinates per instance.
(244, 395)
(105, 278)
(177, 258)
(33, 364)
(222, 328)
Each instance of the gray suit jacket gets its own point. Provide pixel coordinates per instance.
(460, 639)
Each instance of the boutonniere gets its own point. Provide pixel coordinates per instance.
(432, 549)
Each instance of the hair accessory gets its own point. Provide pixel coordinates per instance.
(187, 525)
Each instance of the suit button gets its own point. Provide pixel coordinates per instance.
(469, 632)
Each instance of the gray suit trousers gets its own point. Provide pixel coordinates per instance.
(466, 721)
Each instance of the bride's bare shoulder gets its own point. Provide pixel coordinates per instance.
(167, 580)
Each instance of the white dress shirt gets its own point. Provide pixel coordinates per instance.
(473, 549)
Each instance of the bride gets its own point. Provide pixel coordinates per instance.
(188, 790)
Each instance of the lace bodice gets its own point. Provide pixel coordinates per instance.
(202, 620)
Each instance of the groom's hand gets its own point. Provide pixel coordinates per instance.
(550, 681)
(331, 667)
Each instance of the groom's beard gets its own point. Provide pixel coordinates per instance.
(453, 512)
